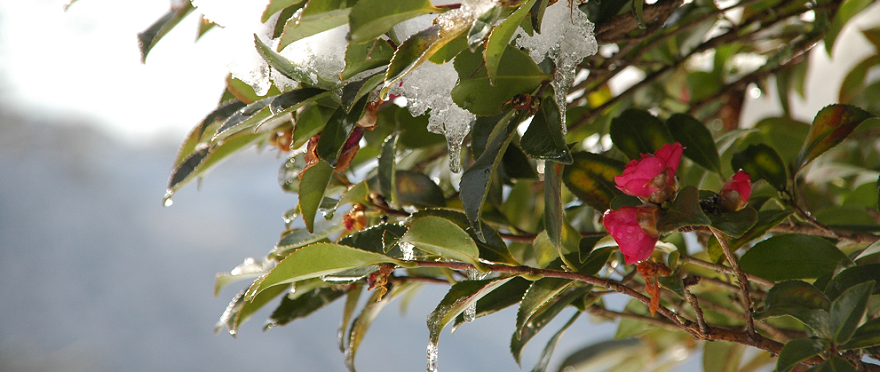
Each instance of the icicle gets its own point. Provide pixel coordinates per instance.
(470, 312)
(433, 355)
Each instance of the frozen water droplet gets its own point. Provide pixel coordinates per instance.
(433, 354)
(407, 249)
(454, 156)
(290, 216)
(168, 202)
(470, 312)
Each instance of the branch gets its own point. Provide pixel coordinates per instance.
(725, 269)
(740, 277)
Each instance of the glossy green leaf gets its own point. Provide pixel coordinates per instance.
(284, 65)
(373, 239)
(310, 122)
(536, 298)
(493, 249)
(847, 11)
(297, 238)
(798, 350)
(311, 191)
(362, 323)
(351, 302)
(736, 223)
(517, 74)
(847, 311)
(544, 359)
(590, 177)
(294, 99)
(539, 320)
(554, 219)
(637, 132)
(444, 238)
(317, 260)
(685, 211)
(387, 168)
(475, 180)
(460, 296)
(149, 37)
(833, 364)
(245, 118)
(240, 309)
(215, 118)
(499, 39)
(544, 139)
(204, 158)
(418, 49)
(867, 335)
(362, 57)
(852, 276)
(766, 221)
(696, 139)
(317, 16)
(370, 19)
(303, 305)
(337, 131)
(482, 25)
(276, 6)
(414, 130)
(830, 127)
(855, 80)
(791, 256)
(722, 356)
(506, 295)
(537, 14)
(417, 189)
(762, 162)
(801, 301)
(596, 260)
(247, 270)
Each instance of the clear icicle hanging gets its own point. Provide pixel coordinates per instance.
(470, 312)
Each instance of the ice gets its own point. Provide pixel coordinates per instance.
(407, 249)
(567, 38)
(470, 312)
(429, 86)
(433, 355)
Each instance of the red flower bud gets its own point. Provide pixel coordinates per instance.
(635, 231)
(734, 195)
(652, 178)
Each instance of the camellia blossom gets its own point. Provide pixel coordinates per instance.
(734, 195)
(635, 231)
(652, 178)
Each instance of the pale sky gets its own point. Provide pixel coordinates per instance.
(84, 64)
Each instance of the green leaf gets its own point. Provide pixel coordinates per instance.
(317, 260)
(554, 219)
(596, 260)
(245, 118)
(833, 364)
(638, 6)
(537, 14)
(289, 101)
(317, 16)
(240, 309)
(275, 6)
(297, 238)
(696, 139)
(799, 350)
(418, 49)
(460, 296)
(722, 356)
(311, 191)
(517, 74)
(854, 81)
(766, 221)
(830, 127)
(541, 293)
(284, 65)
(685, 211)
(215, 118)
(539, 320)
(590, 177)
(544, 359)
(736, 223)
(337, 131)
(847, 311)
(482, 25)
(204, 158)
(501, 298)
(442, 237)
(475, 181)
(791, 256)
(637, 132)
(310, 122)
(248, 269)
(387, 169)
(852, 276)
(762, 162)
(867, 335)
(493, 249)
(362, 323)
(373, 238)
(417, 189)
(351, 302)
(847, 11)
(303, 305)
(544, 139)
(499, 39)
(149, 37)
(362, 57)
(370, 19)
(801, 301)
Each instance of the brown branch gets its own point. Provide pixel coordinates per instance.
(725, 269)
(740, 277)
(624, 23)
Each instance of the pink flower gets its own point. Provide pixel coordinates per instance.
(652, 179)
(734, 195)
(635, 231)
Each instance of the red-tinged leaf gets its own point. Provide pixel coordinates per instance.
(830, 127)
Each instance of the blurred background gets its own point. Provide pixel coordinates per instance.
(95, 275)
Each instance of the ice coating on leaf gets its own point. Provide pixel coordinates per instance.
(322, 54)
(429, 86)
(433, 355)
(470, 312)
(567, 38)
(407, 249)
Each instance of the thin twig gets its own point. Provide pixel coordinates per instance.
(698, 312)
(725, 269)
(740, 277)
